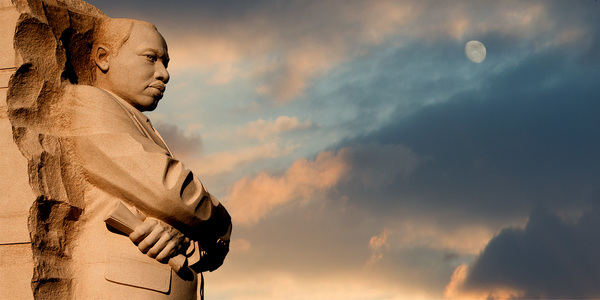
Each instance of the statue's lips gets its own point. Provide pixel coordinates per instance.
(159, 86)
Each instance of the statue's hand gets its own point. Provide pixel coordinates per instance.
(158, 240)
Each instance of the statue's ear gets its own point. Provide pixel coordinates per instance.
(101, 57)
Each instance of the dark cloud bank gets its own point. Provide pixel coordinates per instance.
(525, 142)
(529, 135)
(547, 259)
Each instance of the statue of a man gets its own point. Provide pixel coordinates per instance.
(124, 160)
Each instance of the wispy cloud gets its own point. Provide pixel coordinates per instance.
(227, 161)
(283, 60)
(379, 245)
(265, 130)
(179, 140)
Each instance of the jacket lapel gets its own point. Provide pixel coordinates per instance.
(142, 123)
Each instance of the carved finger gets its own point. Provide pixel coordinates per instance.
(151, 239)
(167, 252)
(160, 244)
(143, 230)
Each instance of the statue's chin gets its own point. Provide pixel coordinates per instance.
(150, 107)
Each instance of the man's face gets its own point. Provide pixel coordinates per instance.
(138, 73)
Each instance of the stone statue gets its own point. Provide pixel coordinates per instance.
(116, 215)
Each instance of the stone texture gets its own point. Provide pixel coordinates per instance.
(88, 147)
(16, 268)
(16, 261)
(41, 31)
(4, 78)
(16, 256)
(16, 197)
(8, 20)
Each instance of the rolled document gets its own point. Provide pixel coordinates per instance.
(122, 219)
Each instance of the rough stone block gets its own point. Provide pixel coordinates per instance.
(4, 78)
(5, 4)
(16, 270)
(8, 19)
(16, 196)
(3, 108)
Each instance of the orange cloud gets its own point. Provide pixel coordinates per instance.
(455, 289)
(250, 199)
(426, 233)
(378, 244)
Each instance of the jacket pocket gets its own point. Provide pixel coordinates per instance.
(142, 274)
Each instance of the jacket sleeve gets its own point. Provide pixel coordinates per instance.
(116, 157)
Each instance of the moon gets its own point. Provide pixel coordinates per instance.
(475, 51)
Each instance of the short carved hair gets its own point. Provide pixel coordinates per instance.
(114, 32)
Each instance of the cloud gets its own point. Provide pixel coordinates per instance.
(239, 245)
(423, 231)
(322, 284)
(264, 130)
(179, 141)
(379, 245)
(526, 134)
(227, 161)
(255, 42)
(376, 165)
(547, 259)
(219, 56)
(284, 60)
(250, 199)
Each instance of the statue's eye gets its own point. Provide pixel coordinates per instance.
(151, 57)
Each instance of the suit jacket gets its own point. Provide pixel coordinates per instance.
(122, 158)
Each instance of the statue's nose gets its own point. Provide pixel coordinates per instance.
(161, 72)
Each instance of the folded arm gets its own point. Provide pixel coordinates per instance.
(116, 156)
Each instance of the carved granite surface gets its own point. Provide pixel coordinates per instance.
(16, 260)
(33, 94)
(74, 102)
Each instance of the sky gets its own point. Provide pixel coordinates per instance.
(362, 155)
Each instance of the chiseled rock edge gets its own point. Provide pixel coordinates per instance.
(52, 44)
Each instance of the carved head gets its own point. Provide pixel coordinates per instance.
(130, 60)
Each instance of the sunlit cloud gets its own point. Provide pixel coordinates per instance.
(324, 284)
(464, 240)
(455, 289)
(250, 199)
(264, 130)
(227, 161)
(379, 245)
